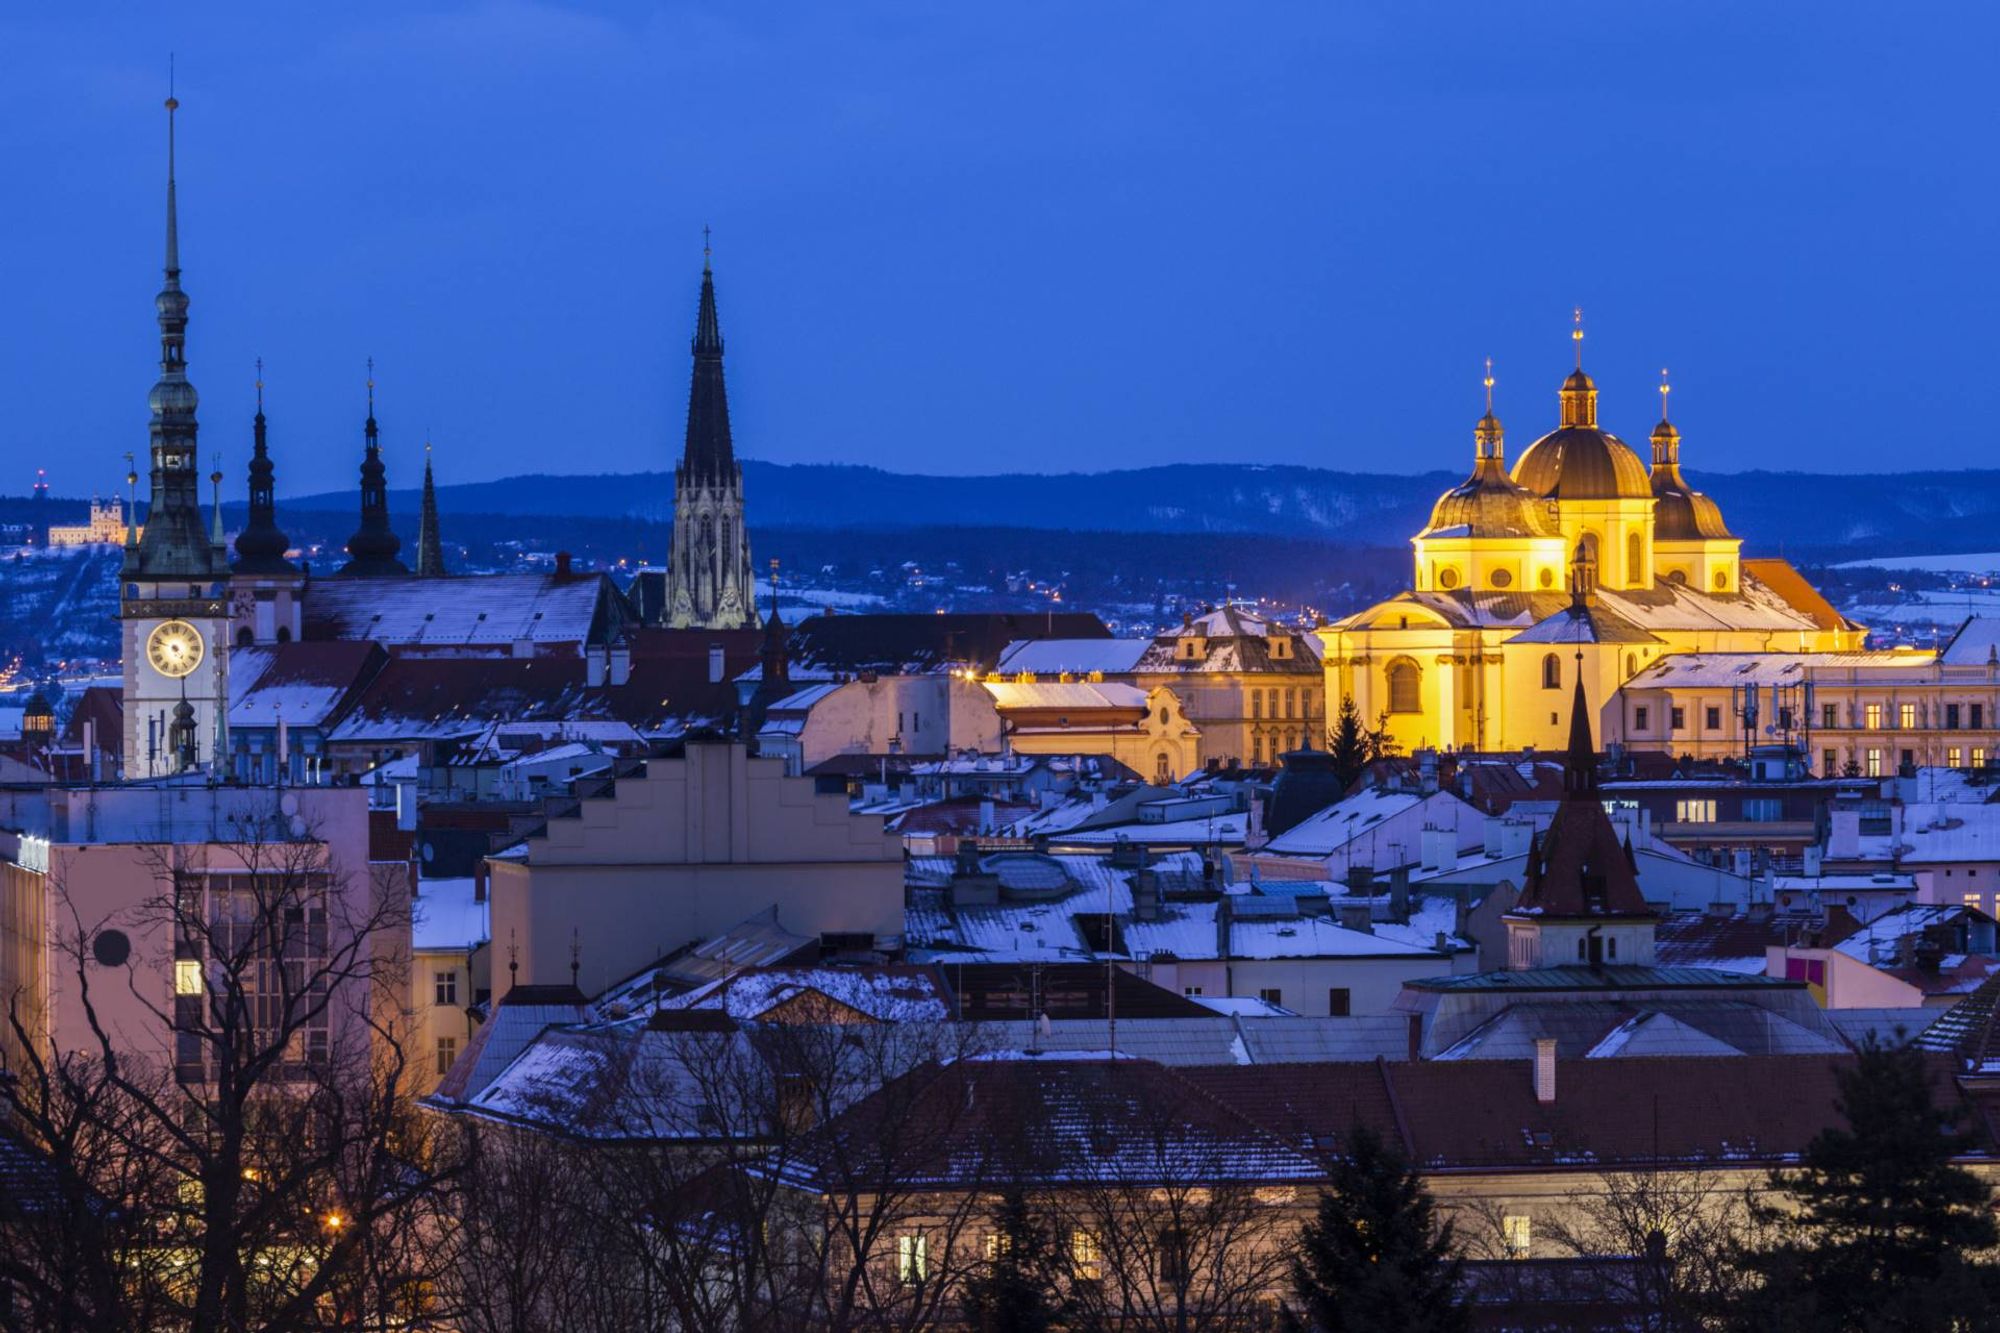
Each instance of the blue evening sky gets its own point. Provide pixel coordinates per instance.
(1021, 236)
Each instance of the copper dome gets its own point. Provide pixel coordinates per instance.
(1582, 463)
(1489, 504)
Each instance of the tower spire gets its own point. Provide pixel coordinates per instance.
(372, 550)
(430, 548)
(1579, 394)
(1666, 438)
(261, 546)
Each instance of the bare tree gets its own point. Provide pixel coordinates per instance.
(244, 1120)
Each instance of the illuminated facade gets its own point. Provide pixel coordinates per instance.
(1580, 562)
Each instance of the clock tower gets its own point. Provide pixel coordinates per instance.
(173, 583)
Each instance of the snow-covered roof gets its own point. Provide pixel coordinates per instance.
(1055, 695)
(1189, 931)
(445, 917)
(886, 994)
(1726, 670)
(1976, 643)
(481, 610)
(1073, 657)
(306, 684)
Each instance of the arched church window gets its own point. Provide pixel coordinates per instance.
(284, 634)
(244, 638)
(1552, 672)
(1631, 664)
(1635, 556)
(1405, 687)
(1163, 769)
(708, 530)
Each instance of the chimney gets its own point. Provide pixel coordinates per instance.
(593, 670)
(1399, 895)
(1427, 772)
(1223, 916)
(1439, 847)
(1355, 916)
(1416, 1034)
(479, 880)
(1545, 1070)
(621, 663)
(1494, 836)
(562, 566)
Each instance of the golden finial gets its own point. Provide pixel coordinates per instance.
(1665, 389)
(1489, 386)
(1576, 336)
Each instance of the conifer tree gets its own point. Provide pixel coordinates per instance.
(1377, 1258)
(1879, 1228)
(1352, 745)
(1015, 1290)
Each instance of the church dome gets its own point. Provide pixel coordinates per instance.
(1489, 504)
(1582, 463)
(1680, 512)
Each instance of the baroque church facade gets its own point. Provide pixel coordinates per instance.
(710, 581)
(1579, 566)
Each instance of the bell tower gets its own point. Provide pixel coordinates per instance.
(172, 607)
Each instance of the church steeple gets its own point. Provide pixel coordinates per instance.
(1580, 760)
(430, 549)
(372, 550)
(1489, 441)
(176, 543)
(1666, 439)
(261, 546)
(711, 582)
(709, 456)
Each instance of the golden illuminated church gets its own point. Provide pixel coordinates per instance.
(1580, 558)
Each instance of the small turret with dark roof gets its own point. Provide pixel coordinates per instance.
(372, 550)
(261, 546)
(1580, 868)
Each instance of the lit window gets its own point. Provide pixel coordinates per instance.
(1971, 900)
(187, 976)
(1405, 687)
(1871, 716)
(1954, 757)
(1694, 811)
(1979, 756)
(1083, 1260)
(912, 1259)
(1906, 716)
(1518, 1235)
(1874, 766)
(998, 1244)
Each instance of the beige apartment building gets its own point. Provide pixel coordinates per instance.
(676, 850)
(1866, 712)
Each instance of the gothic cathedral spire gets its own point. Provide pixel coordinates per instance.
(709, 580)
(430, 547)
(261, 546)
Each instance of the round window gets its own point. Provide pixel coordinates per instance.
(1548, 578)
(1447, 577)
(1721, 581)
(111, 947)
(1677, 576)
(1502, 578)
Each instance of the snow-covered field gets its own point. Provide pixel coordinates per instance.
(1978, 562)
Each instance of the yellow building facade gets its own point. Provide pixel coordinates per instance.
(1580, 559)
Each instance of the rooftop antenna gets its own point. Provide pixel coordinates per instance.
(513, 961)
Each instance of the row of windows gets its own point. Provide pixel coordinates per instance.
(1296, 702)
(1085, 1256)
(1953, 717)
(1872, 762)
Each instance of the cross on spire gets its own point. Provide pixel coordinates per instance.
(1576, 336)
(707, 249)
(1665, 389)
(1489, 386)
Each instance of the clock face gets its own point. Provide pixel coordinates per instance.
(174, 648)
